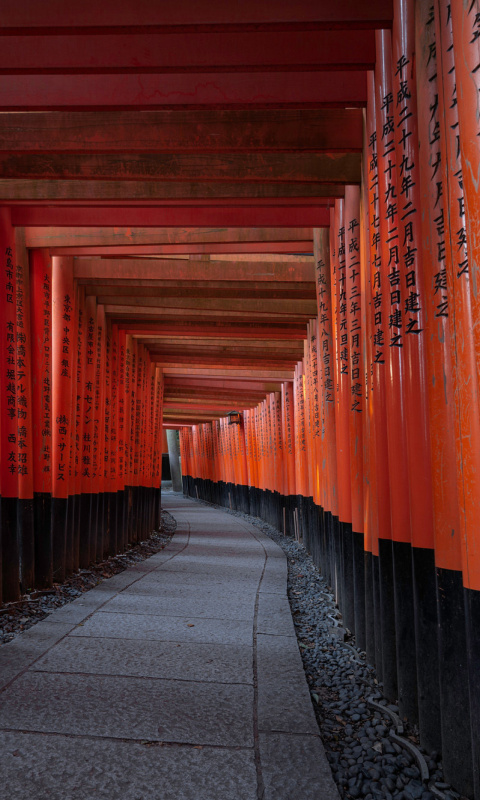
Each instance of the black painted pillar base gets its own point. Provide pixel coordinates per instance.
(10, 549)
(70, 534)
(76, 532)
(377, 616)
(426, 632)
(348, 606)
(359, 588)
(85, 531)
(405, 630)
(387, 619)
(59, 541)
(43, 540)
(455, 698)
(369, 609)
(472, 607)
(25, 523)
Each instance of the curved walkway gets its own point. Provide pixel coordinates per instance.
(178, 679)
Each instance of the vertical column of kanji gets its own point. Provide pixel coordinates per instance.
(309, 422)
(453, 295)
(121, 442)
(391, 309)
(325, 360)
(466, 42)
(87, 517)
(433, 55)
(336, 537)
(315, 413)
(376, 407)
(366, 371)
(25, 517)
(9, 550)
(41, 332)
(63, 344)
(415, 385)
(78, 384)
(313, 437)
(356, 413)
(343, 419)
(466, 39)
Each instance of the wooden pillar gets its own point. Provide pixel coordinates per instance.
(41, 332)
(10, 582)
(25, 516)
(63, 344)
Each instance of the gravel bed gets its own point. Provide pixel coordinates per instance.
(35, 606)
(366, 762)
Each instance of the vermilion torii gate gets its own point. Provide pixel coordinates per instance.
(270, 208)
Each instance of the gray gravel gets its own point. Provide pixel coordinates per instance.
(366, 763)
(35, 606)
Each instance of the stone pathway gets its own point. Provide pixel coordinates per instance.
(178, 679)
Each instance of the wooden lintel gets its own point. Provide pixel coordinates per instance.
(219, 131)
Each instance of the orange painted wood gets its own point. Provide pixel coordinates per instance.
(41, 310)
(8, 396)
(342, 428)
(411, 268)
(326, 369)
(435, 89)
(356, 345)
(63, 372)
(392, 295)
(24, 372)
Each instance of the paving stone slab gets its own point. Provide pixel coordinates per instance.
(133, 708)
(295, 767)
(26, 648)
(284, 703)
(163, 579)
(224, 606)
(274, 615)
(186, 661)
(169, 629)
(36, 767)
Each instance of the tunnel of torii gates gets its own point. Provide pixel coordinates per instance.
(273, 209)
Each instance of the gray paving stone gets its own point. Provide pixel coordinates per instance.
(26, 648)
(295, 766)
(36, 767)
(213, 606)
(283, 703)
(274, 615)
(200, 580)
(186, 661)
(143, 687)
(133, 708)
(170, 629)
